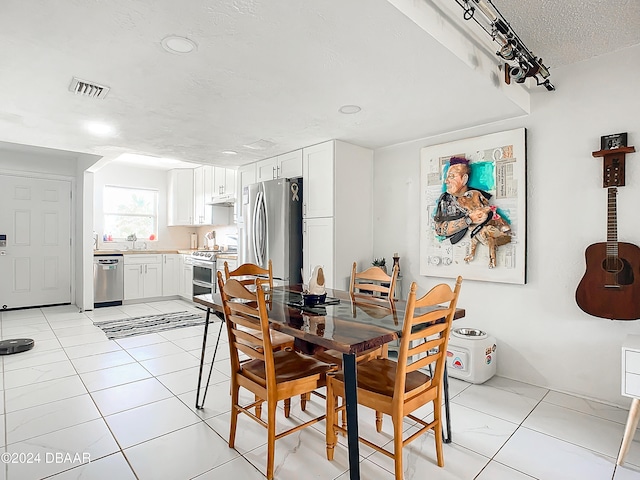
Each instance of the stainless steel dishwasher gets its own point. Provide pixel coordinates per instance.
(108, 280)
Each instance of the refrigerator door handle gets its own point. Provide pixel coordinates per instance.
(259, 229)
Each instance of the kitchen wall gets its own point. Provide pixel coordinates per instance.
(543, 337)
(132, 176)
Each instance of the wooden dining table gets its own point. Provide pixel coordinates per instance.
(343, 325)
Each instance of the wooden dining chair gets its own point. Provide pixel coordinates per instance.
(270, 375)
(399, 388)
(246, 274)
(373, 284)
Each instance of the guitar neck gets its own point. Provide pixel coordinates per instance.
(612, 222)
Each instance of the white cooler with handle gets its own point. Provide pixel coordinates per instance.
(471, 355)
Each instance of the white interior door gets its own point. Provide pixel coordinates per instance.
(35, 264)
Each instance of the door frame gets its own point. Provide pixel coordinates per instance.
(72, 223)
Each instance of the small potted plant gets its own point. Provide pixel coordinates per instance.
(380, 262)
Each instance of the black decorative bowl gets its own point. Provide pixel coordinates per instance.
(310, 299)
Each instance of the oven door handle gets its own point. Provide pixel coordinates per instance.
(202, 284)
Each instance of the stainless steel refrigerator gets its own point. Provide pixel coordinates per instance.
(272, 227)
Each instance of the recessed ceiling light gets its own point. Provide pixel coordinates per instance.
(179, 45)
(349, 109)
(100, 129)
(229, 152)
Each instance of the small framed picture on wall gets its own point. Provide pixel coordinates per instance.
(615, 140)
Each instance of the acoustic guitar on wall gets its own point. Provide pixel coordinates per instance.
(610, 287)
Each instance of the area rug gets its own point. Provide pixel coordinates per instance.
(129, 327)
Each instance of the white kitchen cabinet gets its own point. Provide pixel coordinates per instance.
(180, 197)
(317, 247)
(337, 209)
(318, 173)
(246, 176)
(142, 276)
(186, 280)
(630, 388)
(171, 274)
(288, 165)
(224, 183)
(200, 208)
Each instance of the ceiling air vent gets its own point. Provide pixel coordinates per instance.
(88, 89)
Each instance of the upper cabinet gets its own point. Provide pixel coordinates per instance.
(180, 197)
(224, 183)
(200, 207)
(317, 170)
(288, 165)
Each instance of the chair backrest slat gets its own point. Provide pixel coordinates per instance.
(363, 284)
(248, 272)
(247, 324)
(425, 335)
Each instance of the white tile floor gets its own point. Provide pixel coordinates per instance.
(128, 407)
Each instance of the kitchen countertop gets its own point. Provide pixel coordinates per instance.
(220, 254)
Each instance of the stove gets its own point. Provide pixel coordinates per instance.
(204, 271)
(206, 255)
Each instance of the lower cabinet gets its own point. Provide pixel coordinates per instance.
(186, 280)
(171, 264)
(142, 276)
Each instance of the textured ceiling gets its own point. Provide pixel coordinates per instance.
(274, 72)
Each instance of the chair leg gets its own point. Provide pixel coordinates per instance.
(287, 407)
(271, 437)
(397, 446)
(330, 421)
(437, 416)
(303, 401)
(343, 416)
(234, 414)
(258, 407)
(378, 421)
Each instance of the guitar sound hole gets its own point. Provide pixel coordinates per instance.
(619, 271)
(612, 265)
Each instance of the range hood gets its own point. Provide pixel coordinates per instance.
(223, 200)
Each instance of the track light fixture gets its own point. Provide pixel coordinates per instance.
(524, 64)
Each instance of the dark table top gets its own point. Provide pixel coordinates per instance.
(348, 326)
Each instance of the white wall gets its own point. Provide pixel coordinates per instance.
(130, 176)
(543, 337)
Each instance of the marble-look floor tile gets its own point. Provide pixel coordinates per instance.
(370, 470)
(498, 471)
(500, 403)
(130, 395)
(72, 331)
(82, 340)
(561, 459)
(80, 351)
(38, 373)
(102, 361)
(76, 446)
(627, 472)
(478, 431)
(590, 407)
(156, 350)
(594, 433)
(149, 421)
(139, 310)
(140, 340)
(186, 380)
(22, 314)
(187, 332)
(114, 376)
(34, 358)
(302, 451)
(170, 363)
(184, 453)
(519, 388)
(43, 392)
(237, 468)
(42, 419)
(111, 467)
